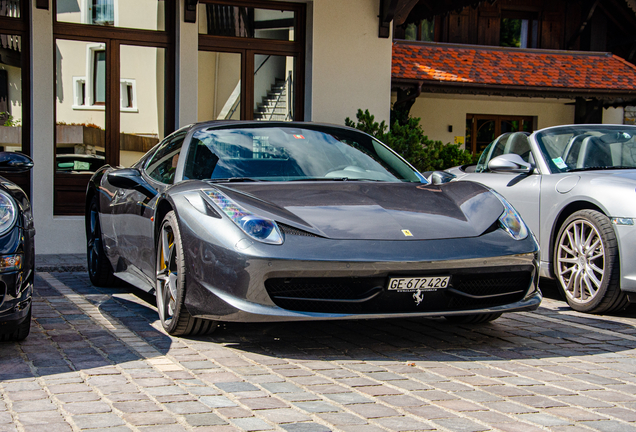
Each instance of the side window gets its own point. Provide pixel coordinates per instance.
(163, 164)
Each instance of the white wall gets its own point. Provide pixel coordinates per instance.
(60, 234)
(613, 116)
(440, 111)
(350, 65)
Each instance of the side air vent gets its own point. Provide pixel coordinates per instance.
(289, 230)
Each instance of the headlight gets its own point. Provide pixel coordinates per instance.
(259, 228)
(511, 221)
(8, 212)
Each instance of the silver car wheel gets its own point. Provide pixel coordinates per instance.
(581, 261)
(167, 275)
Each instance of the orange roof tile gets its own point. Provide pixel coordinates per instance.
(494, 66)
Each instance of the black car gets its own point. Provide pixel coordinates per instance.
(17, 251)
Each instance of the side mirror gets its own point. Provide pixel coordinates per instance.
(12, 162)
(130, 178)
(510, 163)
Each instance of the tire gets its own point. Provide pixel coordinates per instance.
(170, 284)
(472, 318)
(586, 263)
(21, 331)
(100, 271)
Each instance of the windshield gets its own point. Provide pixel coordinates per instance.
(588, 147)
(287, 154)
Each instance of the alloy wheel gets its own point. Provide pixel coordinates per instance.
(581, 261)
(167, 275)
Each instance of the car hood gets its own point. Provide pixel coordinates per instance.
(372, 210)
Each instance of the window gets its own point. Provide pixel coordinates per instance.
(102, 12)
(519, 30)
(482, 129)
(424, 31)
(251, 57)
(163, 164)
(114, 88)
(95, 81)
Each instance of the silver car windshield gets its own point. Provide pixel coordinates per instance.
(288, 154)
(588, 147)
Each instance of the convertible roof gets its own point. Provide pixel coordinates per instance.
(472, 69)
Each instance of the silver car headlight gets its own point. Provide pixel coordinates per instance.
(511, 221)
(257, 227)
(8, 212)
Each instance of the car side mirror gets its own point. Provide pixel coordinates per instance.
(130, 178)
(510, 163)
(439, 177)
(12, 162)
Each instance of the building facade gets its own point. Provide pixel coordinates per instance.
(93, 82)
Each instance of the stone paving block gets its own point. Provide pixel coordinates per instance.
(510, 407)
(251, 424)
(370, 411)
(264, 403)
(232, 387)
(349, 398)
(217, 401)
(187, 407)
(305, 427)
(583, 401)
(401, 400)
(281, 387)
(207, 419)
(463, 425)
(27, 395)
(620, 413)
(91, 421)
(35, 405)
(51, 427)
(149, 418)
(399, 424)
(299, 397)
(340, 419)
(541, 419)
(87, 408)
(380, 390)
(611, 426)
(316, 407)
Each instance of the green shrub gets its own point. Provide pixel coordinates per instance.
(408, 140)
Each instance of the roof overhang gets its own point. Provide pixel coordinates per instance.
(493, 71)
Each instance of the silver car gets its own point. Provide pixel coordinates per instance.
(575, 187)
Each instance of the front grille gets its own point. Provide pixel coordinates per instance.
(369, 295)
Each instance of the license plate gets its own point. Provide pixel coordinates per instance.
(428, 283)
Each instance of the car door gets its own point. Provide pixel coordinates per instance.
(521, 190)
(133, 212)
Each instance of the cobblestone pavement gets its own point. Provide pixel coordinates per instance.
(97, 360)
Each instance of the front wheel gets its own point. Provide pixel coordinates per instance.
(100, 271)
(170, 284)
(586, 263)
(20, 332)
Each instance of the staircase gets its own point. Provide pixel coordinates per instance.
(274, 105)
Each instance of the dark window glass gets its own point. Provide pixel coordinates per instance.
(246, 22)
(10, 8)
(99, 77)
(519, 32)
(163, 164)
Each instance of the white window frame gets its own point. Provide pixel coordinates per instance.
(89, 100)
(123, 83)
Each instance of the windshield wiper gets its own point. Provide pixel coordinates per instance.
(234, 180)
(601, 168)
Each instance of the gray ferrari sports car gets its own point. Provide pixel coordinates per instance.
(257, 222)
(575, 187)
